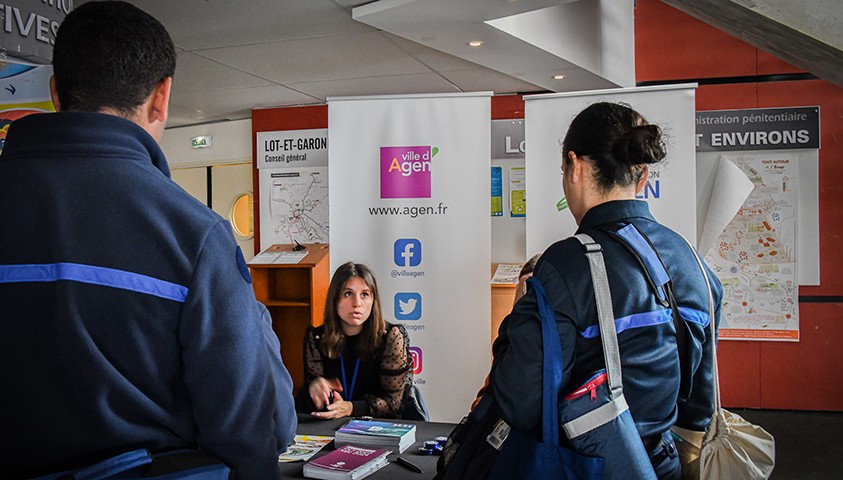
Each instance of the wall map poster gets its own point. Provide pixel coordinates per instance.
(755, 257)
(293, 176)
(297, 210)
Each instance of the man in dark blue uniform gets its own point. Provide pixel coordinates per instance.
(128, 317)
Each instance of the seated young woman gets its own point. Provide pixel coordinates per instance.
(355, 363)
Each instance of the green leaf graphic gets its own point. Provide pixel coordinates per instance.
(434, 151)
(562, 204)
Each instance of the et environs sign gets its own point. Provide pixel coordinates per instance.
(791, 128)
(30, 27)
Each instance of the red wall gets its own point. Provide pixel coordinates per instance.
(672, 46)
(276, 119)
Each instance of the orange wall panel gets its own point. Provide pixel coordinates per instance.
(672, 45)
(289, 118)
(740, 373)
(732, 96)
(505, 107)
(770, 65)
(804, 375)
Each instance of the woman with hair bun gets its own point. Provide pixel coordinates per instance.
(606, 155)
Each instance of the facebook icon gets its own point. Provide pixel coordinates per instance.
(407, 252)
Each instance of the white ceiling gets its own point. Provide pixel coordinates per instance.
(234, 56)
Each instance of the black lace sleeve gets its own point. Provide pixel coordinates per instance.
(313, 364)
(396, 373)
(313, 368)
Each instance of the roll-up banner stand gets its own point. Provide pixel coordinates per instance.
(410, 198)
(670, 189)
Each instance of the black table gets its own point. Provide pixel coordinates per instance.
(424, 431)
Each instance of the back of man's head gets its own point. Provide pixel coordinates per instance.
(110, 55)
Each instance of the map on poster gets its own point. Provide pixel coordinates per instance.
(755, 257)
(298, 205)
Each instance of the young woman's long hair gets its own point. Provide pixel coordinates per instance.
(374, 328)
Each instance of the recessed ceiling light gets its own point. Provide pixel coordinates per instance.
(475, 43)
(558, 77)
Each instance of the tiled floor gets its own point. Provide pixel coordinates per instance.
(809, 445)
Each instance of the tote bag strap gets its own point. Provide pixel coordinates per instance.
(605, 313)
(611, 351)
(551, 365)
(716, 374)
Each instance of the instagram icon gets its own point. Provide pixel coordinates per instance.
(416, 355)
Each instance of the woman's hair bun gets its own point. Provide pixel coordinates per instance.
(641, 144)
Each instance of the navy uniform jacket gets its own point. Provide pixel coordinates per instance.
(127, 312)
(646, 333)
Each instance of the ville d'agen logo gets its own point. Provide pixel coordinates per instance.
(405, 171)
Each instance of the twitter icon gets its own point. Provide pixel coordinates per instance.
(408, 306)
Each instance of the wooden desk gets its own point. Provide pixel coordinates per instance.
(502, 298)
(294, 294)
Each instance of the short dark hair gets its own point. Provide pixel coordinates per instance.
(110, 55)
(529, 266)
(617, 140)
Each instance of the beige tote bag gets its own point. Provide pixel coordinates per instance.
(730, 448)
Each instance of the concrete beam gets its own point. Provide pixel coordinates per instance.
(807, 34)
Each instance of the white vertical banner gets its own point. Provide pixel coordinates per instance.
(410, 198)
(671, 188)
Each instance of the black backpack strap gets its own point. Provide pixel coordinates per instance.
(640, 247)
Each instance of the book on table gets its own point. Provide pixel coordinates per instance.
(375, 433)
(349, 462)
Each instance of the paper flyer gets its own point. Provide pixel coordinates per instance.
(270, 257)
(731, 189)
(507, 273)
(517, 192)
(304, 447)
(497, 192)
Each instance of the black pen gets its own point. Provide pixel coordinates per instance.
(408, 465)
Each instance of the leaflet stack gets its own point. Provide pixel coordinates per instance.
(396, 436)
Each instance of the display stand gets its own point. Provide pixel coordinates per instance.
(294, 294)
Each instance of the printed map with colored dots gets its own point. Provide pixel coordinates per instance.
(755, 257)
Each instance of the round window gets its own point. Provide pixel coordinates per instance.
(242, 216)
